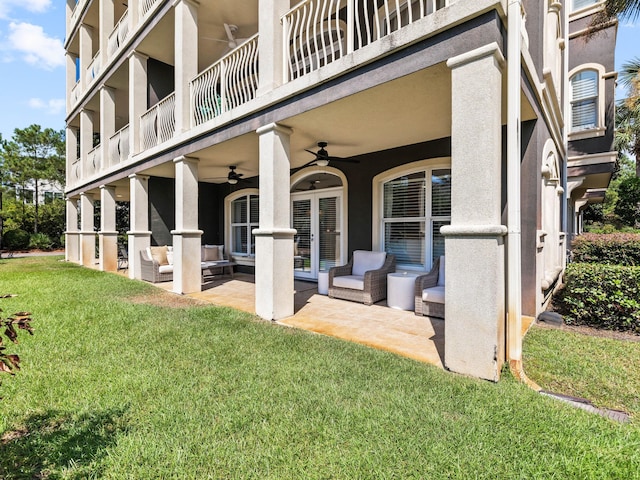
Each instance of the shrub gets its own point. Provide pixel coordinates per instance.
(612, 249)
(601, 296)
(40, 241)
(16, 239)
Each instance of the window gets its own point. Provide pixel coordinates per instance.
(580, 4)
(584, 100)
(244, 218)
(415, 206)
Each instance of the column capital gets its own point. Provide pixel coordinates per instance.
(107, 187)
(491, 49)
(86, 195)
(194, 3)
(138, 176)
(274, 127)
(185, 159)
(138, 55)
(473, 230)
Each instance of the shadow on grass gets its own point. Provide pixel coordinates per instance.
(54, 444)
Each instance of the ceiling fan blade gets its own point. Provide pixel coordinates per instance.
(312, 153)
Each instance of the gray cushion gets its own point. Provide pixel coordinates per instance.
(165, 269)
(354, 282)
(433, 294)
(364, 260)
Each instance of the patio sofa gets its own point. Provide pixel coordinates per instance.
(157, 262)
(429, 291)
(364, 278)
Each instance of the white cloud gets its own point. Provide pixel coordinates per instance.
(53, 106)
(36, 6)
(38, 48)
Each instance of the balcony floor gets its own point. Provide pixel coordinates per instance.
(377, 326)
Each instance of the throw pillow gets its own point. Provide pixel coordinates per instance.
(159, 254)
(211, 254)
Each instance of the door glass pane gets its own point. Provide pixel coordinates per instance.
(329, 232)
(302, 242)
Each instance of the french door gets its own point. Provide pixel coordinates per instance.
(317, 217)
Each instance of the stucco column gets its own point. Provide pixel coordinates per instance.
(186, 47)
(107, 22)
(70, 77)
(270, 44)
(72, 235)
(137, 98)
(86, 42)
(274, 238)
(87, 232)
(187, 274)
(108, 235)
(139, 235)
(107, 123)
(474, 242)
(86, 141)
(72, 155)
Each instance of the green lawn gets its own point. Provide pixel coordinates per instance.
(113, 387)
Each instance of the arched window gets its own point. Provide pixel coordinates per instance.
(584, 100)
(415, 205)
(243, 218)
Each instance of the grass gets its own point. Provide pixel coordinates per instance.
(603, 370)
(115, 386)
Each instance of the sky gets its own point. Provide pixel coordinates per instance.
(32, 62)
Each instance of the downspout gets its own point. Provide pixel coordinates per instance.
(514, 249)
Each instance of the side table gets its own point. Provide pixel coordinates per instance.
(400, 290)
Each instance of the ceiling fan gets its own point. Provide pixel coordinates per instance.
(232, 41)
(323, 158)
(312, 186)
(233, 177)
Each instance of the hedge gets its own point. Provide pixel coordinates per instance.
(601, 296)
(612, 249)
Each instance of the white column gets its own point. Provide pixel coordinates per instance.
(187, 274)
(70, 78)
(72, 235)
(107, 22)
(86, 55)
(139, 235)
(71, 154)
(107, 123)
(137, 98)
(274, 238)
(108, 235)
(475, 310)
(270, 43)
(87, 233)
(186, 48)
(86, 139)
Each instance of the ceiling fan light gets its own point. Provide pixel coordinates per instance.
(232, 181)
(323, 162)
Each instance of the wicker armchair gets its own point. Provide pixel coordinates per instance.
(429, 292)
(350, 282)
(150, 269)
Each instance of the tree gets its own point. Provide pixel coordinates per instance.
(628, 205)
(33, 156)
(613, 9)
(627, 137)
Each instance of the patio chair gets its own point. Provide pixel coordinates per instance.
(429, 291)
(123, 257)
(364, 278)
(155, 270)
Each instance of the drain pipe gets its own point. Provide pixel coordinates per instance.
(514, 253)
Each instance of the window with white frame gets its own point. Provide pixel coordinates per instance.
(584, 100)
(244, 218)
(414, 208)
(580, 4)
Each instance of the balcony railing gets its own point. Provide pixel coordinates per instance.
(77, 10)
(118, 35)
(119, 146)
(158, 124)
(94, 161)
(316, 32)
(227, 84)
(147, 5)
(94, 69)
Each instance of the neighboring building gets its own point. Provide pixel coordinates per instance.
(47, 191)
(453, 110)
(592, 79)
